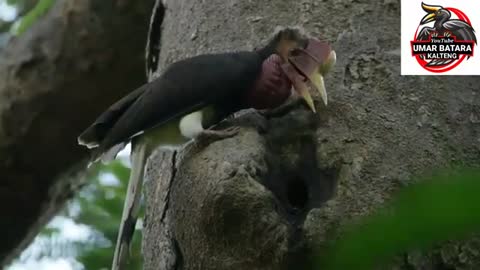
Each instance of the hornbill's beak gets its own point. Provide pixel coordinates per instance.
(312, 63)
(431, 10)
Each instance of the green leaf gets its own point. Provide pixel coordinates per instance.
(99, 207)
(441, 208)
(49, 232)
(12, 2)
(32, 16)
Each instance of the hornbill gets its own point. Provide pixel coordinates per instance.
(444, 26)
(194, 94)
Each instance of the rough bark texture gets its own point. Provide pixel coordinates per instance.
(240, 203)
(54, 80)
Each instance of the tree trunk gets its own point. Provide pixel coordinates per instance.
(54, 80)
(287, 184)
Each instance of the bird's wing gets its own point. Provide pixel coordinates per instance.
(425, 33)
(187, 85)
(439, 62)
(461, 29)
(95, 133)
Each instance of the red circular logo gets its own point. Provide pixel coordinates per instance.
(439, 69)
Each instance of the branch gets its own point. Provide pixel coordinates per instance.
(54, 79)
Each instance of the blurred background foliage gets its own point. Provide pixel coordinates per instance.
(31, 11)
(101, 206)
(16, 16)
(436, 209)
(25, 14)
(96, 212)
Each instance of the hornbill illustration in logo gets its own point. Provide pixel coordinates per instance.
(444, 26)
(194, 94)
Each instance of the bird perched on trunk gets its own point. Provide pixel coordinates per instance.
(195, 93)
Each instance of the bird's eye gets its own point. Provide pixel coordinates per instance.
(293, 51)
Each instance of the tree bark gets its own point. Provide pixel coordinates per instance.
(287, 184)
(54, 80)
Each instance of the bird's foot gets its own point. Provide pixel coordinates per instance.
(208, 136)
(283, 109)
(217, 135)
(251, 118)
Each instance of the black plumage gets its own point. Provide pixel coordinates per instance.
(186, 86)
(224, 81)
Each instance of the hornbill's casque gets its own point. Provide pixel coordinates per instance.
(198, 92)
(444, 26)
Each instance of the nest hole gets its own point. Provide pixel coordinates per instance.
(297, 193)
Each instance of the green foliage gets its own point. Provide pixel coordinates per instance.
(26, 21)
(98, 207)
(101, 209)
(441, 208)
